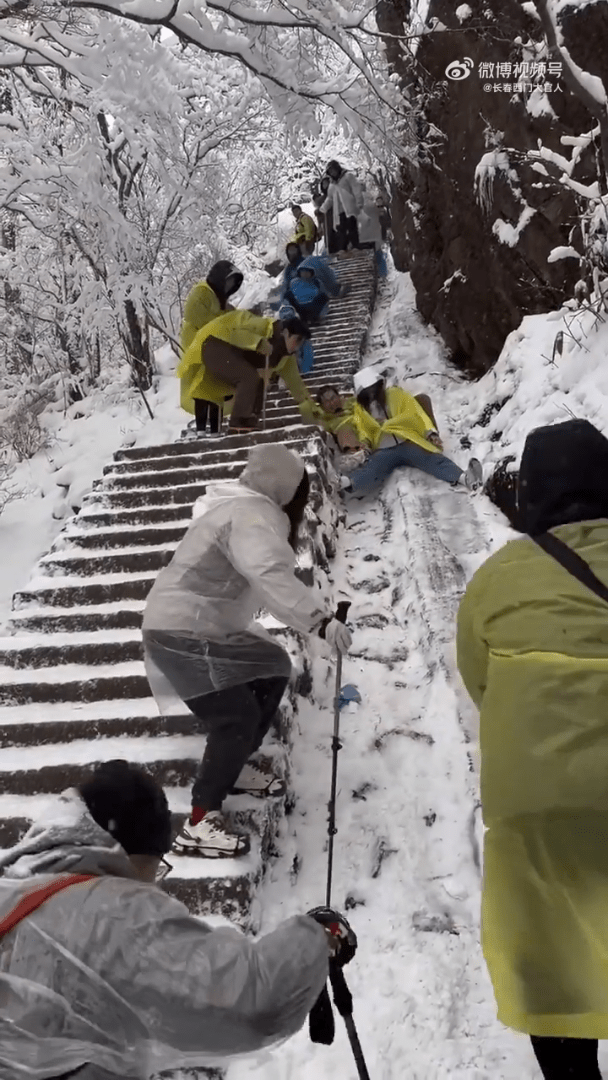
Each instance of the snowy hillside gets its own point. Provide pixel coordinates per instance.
(407, 850)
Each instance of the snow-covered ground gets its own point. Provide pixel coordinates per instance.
(407, 850)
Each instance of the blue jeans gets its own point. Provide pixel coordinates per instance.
(382, 463)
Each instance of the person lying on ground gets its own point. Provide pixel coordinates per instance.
(387, 429)
(205, 301)
(345, 200)
(232, 356)
(306, 231)
(107, 977)
(532, 649)
(198, 631)
(311, 287)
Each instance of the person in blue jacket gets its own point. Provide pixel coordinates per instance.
(311, 287)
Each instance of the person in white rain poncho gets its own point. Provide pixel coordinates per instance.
(104, 976)
(345, 200)
(198, 630)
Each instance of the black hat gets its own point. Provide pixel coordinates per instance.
(563, 476)
(218, 277)
(130, 805)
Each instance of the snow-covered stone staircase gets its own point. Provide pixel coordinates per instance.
(73, 691)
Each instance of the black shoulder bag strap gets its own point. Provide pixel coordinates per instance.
(572, 563)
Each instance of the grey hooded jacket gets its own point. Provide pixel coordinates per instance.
(235, 558)
(115, 975)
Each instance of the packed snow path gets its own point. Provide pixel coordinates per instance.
(73, 691)
(406, 865)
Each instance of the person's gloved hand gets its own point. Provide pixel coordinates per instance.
(265, 347)
(337, 635)
(344, 290)
(434, 438)
(342, 937)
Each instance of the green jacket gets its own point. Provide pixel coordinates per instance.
(533, 653)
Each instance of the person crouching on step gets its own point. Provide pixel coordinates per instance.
(198, 629)
(394, 429)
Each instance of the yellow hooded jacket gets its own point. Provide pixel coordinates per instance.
(202, 305)
(533, 653)
(244, 331)
(407, 420)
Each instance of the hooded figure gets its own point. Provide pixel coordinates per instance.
(205, 302)
(533, 654)
(106, 977)
(313, 283)
(233, 356)
(345, 200)
(199, 631)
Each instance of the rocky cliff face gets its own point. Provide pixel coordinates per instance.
(474, 219)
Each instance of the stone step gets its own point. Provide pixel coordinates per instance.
(123, 538)
(229, 442)
(77, 686)
(132, 562)
(19, 654)
(93, 516)
(65, 595)
(213, 453)
(77, 621)
(207, 887)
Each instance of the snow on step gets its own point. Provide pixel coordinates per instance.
(156, 485)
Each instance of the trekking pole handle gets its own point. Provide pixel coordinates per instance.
(342, 611)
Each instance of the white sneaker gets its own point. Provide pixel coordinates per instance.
(258, 780)
(212, 838)
(473, 477)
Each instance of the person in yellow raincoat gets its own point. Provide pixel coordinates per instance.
(232, 356)
(305, 235)
(533, 654)
(385, 428)
(205, 301)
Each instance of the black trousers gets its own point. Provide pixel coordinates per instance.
(207, 410)
(348, 232)
(567, 1059)
(236, 721)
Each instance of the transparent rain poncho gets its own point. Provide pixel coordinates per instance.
(115, 973)
(198, 629)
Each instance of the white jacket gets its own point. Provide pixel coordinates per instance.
(370, 229)
(234, 559)
(344, 196)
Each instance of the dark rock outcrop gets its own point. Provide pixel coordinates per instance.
(473, 219)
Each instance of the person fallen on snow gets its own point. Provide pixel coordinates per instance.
(231, 357)
(107, 977)
(205, 301)
(386, 428)
(198, 630)
(532, 650)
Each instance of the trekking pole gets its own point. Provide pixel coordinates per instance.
(265, 392)
(336, 745)
(343, 1000)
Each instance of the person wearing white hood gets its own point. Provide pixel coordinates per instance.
(198, 630)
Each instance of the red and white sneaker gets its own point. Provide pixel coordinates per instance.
(212, 838)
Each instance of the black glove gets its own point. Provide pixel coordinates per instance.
(340, 930)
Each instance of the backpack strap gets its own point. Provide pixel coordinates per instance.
(36, 897)
(572, 563)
